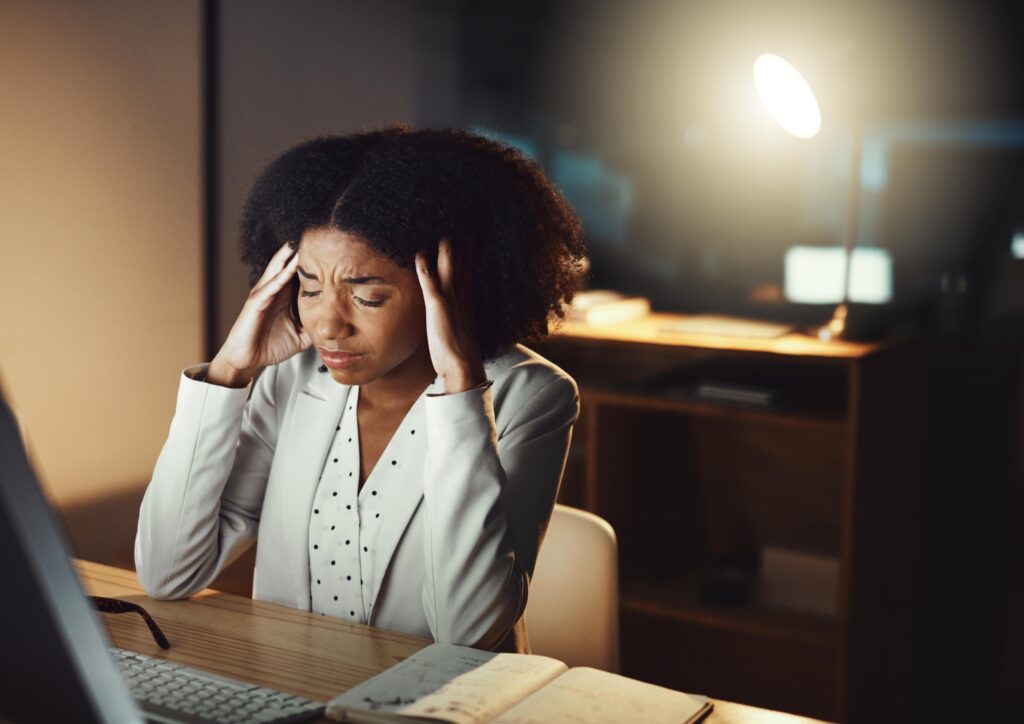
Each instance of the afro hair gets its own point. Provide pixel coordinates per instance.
(403, 190)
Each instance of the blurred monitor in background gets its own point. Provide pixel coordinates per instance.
(814, 275)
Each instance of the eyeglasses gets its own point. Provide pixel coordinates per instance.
(116, 605)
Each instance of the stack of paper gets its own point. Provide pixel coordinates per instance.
(603, 306)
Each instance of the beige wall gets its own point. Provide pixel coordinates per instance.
(100, 216)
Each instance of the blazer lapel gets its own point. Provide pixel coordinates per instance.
(315, 414)
(406, 497)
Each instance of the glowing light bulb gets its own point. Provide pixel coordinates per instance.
(787, 96)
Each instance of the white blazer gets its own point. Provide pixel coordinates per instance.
(459, 541)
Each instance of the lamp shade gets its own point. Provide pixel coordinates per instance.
(787, 96)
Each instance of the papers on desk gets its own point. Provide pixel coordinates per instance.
(462, 685)
(724, 326)
(603, 306)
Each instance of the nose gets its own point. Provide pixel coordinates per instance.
(333, 320)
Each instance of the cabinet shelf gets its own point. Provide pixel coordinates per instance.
(824, 468)
(676, 598)
(816, 418)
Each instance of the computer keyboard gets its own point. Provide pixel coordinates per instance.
(169, 692)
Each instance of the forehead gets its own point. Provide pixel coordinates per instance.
(342, 252)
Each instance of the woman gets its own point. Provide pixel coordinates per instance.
(401, 452)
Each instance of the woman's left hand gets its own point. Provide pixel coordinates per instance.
(451, 323)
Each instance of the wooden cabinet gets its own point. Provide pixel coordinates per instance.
(824, 463)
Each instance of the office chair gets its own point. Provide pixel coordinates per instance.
(572, 613)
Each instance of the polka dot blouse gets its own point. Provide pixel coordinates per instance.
(345, 521)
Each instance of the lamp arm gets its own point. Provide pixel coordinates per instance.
(852, 225)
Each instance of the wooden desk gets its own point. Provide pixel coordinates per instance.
(280, 647)
(650, 330)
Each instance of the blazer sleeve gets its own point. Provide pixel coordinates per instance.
(202, 507)
(487, 503)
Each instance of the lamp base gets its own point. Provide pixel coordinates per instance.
(836, 327)
(856, 323)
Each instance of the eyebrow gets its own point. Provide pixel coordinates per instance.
(348, 280)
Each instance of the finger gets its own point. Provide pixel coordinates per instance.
(445, 268)
(281, 257)
(305, 339)
(467, 271)
(279, 280)
(427, 282)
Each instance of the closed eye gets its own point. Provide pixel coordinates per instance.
(359, 300)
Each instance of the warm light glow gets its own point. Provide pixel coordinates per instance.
(787, 96)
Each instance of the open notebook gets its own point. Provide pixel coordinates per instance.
(462, 685)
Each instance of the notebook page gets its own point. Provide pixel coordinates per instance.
(597, 697)
(449, 683)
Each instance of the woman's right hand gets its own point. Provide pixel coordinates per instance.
(265, 332)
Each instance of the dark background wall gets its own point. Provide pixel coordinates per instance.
(291, 71)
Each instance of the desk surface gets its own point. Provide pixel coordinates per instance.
(651, 330)
(298, 652)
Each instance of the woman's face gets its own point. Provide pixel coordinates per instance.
(359, 305)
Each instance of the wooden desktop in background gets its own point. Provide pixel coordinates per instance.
(683, 480)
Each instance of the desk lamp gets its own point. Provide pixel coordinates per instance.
(791, 102)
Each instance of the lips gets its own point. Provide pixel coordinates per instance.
(338, 359)
(340, 352)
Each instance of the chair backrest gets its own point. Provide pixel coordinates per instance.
(572, 612)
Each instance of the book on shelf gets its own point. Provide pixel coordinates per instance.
(604, 306)
(738, 394)
(800, 581)
(462, 685)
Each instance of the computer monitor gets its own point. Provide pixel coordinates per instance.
(55, 663)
